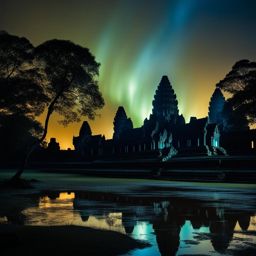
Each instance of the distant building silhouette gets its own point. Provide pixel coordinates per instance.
(216, 106)
(121, 123)
(53, 145)
(87, 144)
(165, 134)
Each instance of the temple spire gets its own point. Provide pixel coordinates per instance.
(121, 123)
(165, 104)
(216, 106)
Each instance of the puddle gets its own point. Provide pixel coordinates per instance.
(172, 227)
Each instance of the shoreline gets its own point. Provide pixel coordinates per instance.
(64, 240)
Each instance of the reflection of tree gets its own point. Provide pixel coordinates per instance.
(167, 230)
(16, 217)
(14, 207)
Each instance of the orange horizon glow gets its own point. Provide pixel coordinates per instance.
(194, 42)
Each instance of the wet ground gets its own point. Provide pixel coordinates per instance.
(176, 218)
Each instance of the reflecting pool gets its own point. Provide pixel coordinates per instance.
(173, 226)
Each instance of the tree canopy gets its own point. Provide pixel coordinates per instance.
(71, 79)
(22, 97)
(240, 83)
(20, 78)
(56, 76)
(17, 133)
(233, 120)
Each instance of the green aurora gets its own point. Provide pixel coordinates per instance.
(194, 42)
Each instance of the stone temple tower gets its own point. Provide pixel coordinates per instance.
(165, 104)
(121, 123)
(216, 107)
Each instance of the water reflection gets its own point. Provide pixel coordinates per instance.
(60, 209)
(172, 227)
(167, 228)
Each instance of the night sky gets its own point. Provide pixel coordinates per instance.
(194, 42)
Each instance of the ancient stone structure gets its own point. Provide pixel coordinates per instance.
(216, 106)
(164, 134)
(53, 145)
(87, 144)
(121, 123)
(165, 104)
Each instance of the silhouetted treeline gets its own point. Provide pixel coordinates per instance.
(56, 76)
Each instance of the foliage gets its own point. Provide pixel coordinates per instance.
(233, 120)
(71, 72)
(22, 97)
(240, 82)
(17, 133)
(69, 82)
(20, 78)
(57, 76)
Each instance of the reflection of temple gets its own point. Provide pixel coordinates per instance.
(167, 229)
(123, 214)
(222, 225)
(168, 219)
(222, 233)
(166, 134)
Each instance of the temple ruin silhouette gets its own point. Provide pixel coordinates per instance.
(165, 133)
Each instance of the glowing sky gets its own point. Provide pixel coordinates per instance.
(194, 42)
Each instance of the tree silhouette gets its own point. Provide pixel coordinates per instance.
(240, 82)
(14, 53)
(20, 79)
(70, 83)
(22, 96)
(233, 121)
(17, 133)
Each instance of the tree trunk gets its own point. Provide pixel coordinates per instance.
(38, 142)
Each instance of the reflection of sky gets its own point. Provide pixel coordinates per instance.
(3, 220)
(144, 231)
(187, 233)
(239, 235)
(60, 211)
